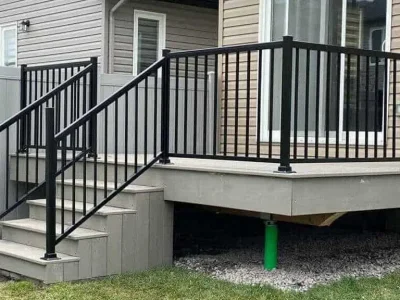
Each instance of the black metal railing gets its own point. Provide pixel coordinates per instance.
(22, 133)
(219, 117)
(73, 102)
(130, 126)
(281, 102)
(284, 102)
(352, 115)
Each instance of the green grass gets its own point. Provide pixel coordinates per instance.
(175, 283)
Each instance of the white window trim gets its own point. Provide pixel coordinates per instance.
(161, 18)
(4, 27)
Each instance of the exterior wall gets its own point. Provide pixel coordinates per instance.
(187, 27)
(60, 30)
(395, 47)
(239, 21)
(239, 24)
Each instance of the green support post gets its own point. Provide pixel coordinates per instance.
(271, 246)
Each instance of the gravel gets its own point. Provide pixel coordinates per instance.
(307, 256)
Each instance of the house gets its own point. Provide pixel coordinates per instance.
(277, 109)
(60, 31)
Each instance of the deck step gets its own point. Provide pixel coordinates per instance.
(26, 261)
(132, 188)
(68, 205)
(89, 245)
(39, 226)
(128, 198)
(100, 221)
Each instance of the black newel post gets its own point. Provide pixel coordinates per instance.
(286, 105)
(93, 103)
(51, 169)
(23, 104)
(165, 86)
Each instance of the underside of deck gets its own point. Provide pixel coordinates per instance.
(257, 187)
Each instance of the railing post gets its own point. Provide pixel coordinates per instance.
(286, 104)
(165, 92)
(51, 169)
(23, 129)
(92, 103)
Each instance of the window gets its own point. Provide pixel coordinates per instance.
(149, 39)
(8, 46)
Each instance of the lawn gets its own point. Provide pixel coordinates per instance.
(175, 283)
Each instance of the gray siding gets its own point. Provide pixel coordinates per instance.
(188, 27)
(61, 30)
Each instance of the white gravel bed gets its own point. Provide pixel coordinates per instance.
(307, 257)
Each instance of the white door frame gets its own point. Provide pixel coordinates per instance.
(265, 35)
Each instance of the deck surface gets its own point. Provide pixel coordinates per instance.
(301, 170)
(270, 169)
(313, 188)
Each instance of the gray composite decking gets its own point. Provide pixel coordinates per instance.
(250, 186)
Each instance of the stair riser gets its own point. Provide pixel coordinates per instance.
(92, 252)
(122, 200)
(95, 222)
(36, 239)
(51, 273)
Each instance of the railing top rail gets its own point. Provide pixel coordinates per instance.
(46, 97)
(345, 50)
(227, 49)
(278, 44)
(98, 108)
(58, 66)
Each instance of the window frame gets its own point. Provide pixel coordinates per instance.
(371, 30)
(161, 18)
(265, 21)
(3, 28)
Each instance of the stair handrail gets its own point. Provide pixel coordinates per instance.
(51, 159)
(99, 107)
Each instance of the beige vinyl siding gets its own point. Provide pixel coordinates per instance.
(240, 25)
(187, 28)
(240, 22)
(60, 30)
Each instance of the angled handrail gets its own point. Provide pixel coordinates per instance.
(80, 126)
(99, 107)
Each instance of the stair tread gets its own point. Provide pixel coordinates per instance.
(40, 227)
(105, 210)
(132, 188)
(32, 254)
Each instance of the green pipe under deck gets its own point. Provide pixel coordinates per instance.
(271, 246)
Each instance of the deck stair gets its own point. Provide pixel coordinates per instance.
(117, 239)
